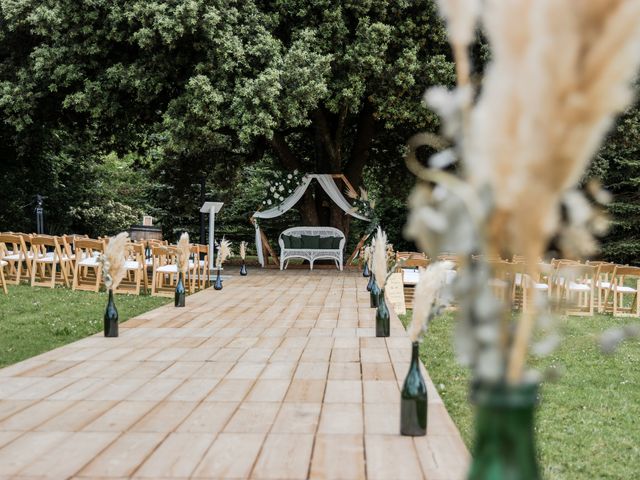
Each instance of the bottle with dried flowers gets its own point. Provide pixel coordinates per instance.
(243, 254)
(182, 260)
(113, 271)
(224, 252)
(524, 142)
(366, 256)
(380, 270)
(427, 305)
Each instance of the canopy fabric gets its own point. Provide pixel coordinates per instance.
(328, 185)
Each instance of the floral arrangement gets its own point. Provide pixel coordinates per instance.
(113, 260)
(364, 206)
(523, 143)
(183, 253)
(224, 252)
(428, 301)
(281, 186)
(379, 258)
(243, 249)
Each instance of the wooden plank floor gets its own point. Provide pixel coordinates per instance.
(277, 376)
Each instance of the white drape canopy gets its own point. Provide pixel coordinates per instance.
(328, 185)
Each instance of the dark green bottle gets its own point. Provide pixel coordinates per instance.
(374, 293)
(383, 324)
(218, 284)
(180, 292)
(370, 283)
(504, 447)
(243, 269)
(111, 318)
(366, 272)
(413, 399)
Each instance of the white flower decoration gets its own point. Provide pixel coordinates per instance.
(289, 176)
(281, 188)
(268, 202)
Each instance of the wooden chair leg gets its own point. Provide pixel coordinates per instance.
(3, 281)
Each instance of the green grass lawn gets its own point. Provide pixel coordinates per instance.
(35, 320)
(588, 424)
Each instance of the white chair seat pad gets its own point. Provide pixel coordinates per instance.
(131, 265)
(623, 289)
(410, 276)
(89, 262)
(168, 269)
(579, 287)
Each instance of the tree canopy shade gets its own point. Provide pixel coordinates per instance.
(190, 82)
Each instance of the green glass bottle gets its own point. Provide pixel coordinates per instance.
(413, 399)
(111, 318)
(374, 293)
(180, 291)
(504, 446)
(383, 324)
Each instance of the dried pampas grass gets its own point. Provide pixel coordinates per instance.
(113, 260)
(183, 253)
(379, 258)
(243, 249)
(432, 280)
(224, 252)
(560, 72)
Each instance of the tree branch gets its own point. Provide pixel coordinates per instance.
(280, 145)
(362, 144)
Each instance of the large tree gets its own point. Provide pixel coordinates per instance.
(192, 83)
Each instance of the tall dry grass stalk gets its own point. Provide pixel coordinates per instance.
(379, 258)
(560, 72)
(224, 252)
(113, 260)
(243, 249)
(432, 280)
(183, 253)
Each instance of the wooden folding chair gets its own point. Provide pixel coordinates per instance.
(13, 255)
(576, 284)
(199, 267)
(134, 265)
(47, 263)
(625, 282)
(410, 270)
(165, 271)
(87, 271)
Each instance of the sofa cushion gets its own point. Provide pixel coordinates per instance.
(286, 239)
(296, 242)
(336, 242)
(326, 243)
(311, 242)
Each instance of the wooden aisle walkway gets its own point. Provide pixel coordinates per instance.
(277, 376)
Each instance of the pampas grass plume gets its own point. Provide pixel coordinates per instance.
(113, 260)
(224, 252)
(432, 280)
(379, 258)
(184, 250)
(243, 249)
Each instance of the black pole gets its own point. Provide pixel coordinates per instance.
(203, 186)
(39, 215)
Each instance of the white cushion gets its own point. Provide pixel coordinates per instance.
(3, 263)
(46, 259)
(579, 287)
(13, 258)
(168, 269)
(623, 289)
(89, 262)
(131, 265)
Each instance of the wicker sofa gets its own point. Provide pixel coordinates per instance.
(311, 243)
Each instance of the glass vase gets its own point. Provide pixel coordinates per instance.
(374, 293)
(365, 271)
(111, 318)
(218, 284)
(382, 316)
(180, 291)
(371, 282)
(243, 269)
(504, 446)
(413, 399)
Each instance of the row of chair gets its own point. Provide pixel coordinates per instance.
(73, 261)
(572, 287)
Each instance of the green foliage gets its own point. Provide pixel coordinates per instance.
(618, 165)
